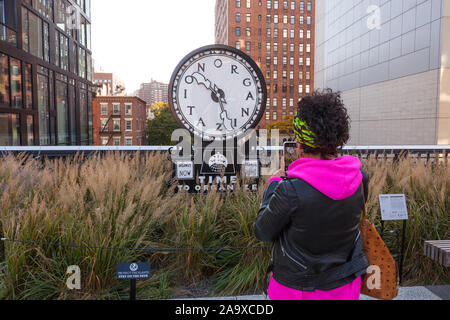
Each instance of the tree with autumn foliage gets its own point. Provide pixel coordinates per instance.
(285, 126)
(160, 129)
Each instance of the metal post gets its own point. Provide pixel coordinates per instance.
(133, 289)
(403, 251)
(382, 230)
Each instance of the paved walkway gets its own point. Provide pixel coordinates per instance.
(405, 293)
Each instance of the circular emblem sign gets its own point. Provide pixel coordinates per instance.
(134, 267)
(217, 92)
(218, 162)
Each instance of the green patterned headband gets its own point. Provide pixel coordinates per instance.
(304, 133)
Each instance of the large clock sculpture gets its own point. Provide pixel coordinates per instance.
(217, 93)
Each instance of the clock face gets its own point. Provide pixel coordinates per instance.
(217, 92)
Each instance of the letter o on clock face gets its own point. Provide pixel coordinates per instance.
(217, 93)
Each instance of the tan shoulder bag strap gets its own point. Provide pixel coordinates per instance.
(364, 203)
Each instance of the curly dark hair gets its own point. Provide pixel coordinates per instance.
(325, 114)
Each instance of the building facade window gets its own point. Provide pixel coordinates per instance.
(103, 124)
(9, 129)
(62, 112)
(129, 125)
(36, 35)
(28, 86)
(4, 84)
(116, 108)
(16, 83)
(30, 130)
(104, 109)
(85, 118)
(116, 125)
(43, 106)
(128, 109)
(81, 62)
(8, 21)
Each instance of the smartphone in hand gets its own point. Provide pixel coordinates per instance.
(290, 154)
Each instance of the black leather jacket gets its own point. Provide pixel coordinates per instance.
(317, 243)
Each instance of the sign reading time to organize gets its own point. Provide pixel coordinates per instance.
(217, 93)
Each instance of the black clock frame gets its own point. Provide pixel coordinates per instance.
(243, 55)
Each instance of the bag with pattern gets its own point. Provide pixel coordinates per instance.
(381, 280)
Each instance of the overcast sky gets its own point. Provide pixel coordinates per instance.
(143, 39)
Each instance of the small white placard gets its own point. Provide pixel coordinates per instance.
(185, 170)
(393, 207)
(251, 169)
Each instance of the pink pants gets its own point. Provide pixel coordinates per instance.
(350, 291)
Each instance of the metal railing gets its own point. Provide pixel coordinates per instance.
(423, 151)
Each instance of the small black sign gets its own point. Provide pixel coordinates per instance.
(127, 270)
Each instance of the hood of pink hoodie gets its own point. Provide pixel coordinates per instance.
(338, 179)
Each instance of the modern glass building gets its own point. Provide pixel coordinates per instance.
(391, 60)
(46, 86)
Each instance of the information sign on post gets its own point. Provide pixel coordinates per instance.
(393, 207)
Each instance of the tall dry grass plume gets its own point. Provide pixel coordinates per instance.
(122, 201)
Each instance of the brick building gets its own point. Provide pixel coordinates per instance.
(154, 92)
(119, 121)
(279, 36)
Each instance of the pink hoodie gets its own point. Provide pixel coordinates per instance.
(338, 179)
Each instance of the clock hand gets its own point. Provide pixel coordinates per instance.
(224, 117)
(219, 94)
(203, 81)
